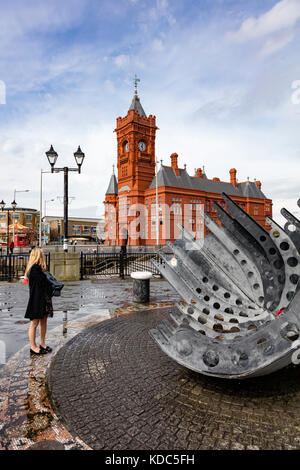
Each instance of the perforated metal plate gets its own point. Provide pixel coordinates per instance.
(233, 286)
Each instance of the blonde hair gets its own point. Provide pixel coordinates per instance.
(36, 257)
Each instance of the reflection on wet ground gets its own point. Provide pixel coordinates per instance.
(112, 374)
(26, 414)
(78, 299)
(27, 417)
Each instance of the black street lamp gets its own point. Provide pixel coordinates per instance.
(13, 205)
(79, 157)
(52, 157)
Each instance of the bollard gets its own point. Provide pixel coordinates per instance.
(141, 286)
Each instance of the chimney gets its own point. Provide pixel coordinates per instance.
(233, 179)
(199, 173)
(258, 184)
(174, 161)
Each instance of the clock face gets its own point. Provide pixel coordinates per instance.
(126, 147)
(142, 146)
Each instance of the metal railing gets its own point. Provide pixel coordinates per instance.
(12, 266)
(117, 264)
(121, 264)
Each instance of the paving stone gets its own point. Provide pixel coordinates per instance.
(144, 400)
(47, 445)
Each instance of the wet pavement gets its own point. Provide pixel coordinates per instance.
(78, 299)
(107, 385)
(115, 389)
(26, 414)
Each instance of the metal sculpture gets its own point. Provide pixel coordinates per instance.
(240, 313)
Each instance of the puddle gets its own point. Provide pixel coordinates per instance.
(76, 301)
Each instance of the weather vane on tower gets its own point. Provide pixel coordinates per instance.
(136, 80)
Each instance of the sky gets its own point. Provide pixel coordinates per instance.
(222, 78)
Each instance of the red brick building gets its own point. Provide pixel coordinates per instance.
(130, 202)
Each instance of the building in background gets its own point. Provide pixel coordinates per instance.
(179, 195)
(26, 222)
(82, 229)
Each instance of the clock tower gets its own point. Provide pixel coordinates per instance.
(136, 149)
(143, 210)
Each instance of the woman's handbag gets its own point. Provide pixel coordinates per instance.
(25, 280)
(56, 285)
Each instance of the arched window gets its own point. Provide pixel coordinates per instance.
(125, 146)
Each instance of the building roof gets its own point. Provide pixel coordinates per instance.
(20, 209)
(49, 218)
(113, 185)
(167, 177)
(136, 105)
(251, 190)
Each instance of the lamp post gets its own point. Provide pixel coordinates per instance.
(41, 205)
(13, 205)
(15, 191)
(52, 157)
(45, 206)
(156, 205)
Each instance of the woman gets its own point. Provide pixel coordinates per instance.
(40, 304)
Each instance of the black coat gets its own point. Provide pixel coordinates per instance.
(39, 303)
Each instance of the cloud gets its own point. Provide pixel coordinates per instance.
(157, 45)
(109, 85)
(161, 10)
(284, 15)
(275, 28)
(122, 60)
(2, 92)
(43, 17)
(214, 106)
(276, 43)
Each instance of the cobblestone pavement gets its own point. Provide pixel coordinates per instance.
(115, 389)
(26, 415)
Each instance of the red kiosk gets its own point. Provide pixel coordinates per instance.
(23, 235)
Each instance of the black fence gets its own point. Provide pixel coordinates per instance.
(117, 264)
(121, 264)
(12, 266)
